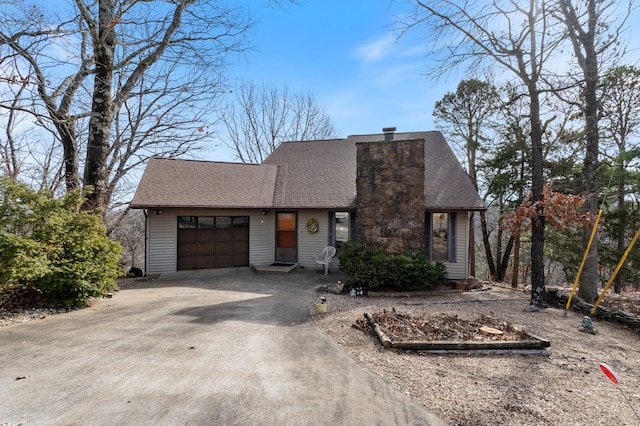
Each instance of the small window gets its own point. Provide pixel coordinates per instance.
(441, 238)
(187, 222)
(223, 222)
(205, 222)
(339, 229)
(342, 226)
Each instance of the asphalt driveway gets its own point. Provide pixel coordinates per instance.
(232, 348)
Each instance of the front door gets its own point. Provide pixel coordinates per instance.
(286, 237)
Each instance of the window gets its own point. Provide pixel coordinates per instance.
(441, 235)
(340, 231)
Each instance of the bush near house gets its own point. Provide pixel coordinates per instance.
(373, 268)
(49, 245)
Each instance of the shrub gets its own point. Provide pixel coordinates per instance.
(50, 244)
(373, 268)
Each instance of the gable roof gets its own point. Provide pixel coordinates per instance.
(310, 174)
(205, 184)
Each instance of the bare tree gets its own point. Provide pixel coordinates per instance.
(594, 33)
(513, 36)
(130, 78)
(260, 118)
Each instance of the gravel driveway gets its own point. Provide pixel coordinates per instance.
(236, 348)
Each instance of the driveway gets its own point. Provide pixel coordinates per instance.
(230, 347)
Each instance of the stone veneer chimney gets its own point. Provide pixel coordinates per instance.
(390, 204)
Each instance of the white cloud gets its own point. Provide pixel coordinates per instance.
(377, 49)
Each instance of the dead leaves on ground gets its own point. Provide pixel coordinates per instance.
(441, 327)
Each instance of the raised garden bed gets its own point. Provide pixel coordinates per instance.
(445, 332)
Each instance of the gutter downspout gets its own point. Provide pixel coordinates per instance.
(146, 244)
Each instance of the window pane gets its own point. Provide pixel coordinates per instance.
(440, 237)
(240, 221)
(342, 226)
(286, 221)
(187, 222)
(286, 239)
(205, 222)
(223, 222)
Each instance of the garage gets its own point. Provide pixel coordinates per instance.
(207, 242)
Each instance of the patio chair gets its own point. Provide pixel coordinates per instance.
(324, 258)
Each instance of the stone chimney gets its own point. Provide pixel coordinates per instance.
(390, 201)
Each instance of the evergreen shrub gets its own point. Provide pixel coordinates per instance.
(50, 244)
(373, 268)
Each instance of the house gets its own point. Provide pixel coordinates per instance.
(397, 190)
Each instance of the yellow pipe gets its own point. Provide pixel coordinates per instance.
(584, 258)
(624, 257)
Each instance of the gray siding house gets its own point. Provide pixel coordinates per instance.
(397, 190)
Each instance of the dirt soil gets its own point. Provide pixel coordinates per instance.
(565, 387)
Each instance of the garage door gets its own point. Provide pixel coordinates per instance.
(207, 242)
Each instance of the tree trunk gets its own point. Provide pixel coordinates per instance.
(537, 186)
(487, 245)
(589, 279)
(504, 264)
(516, 262)
(622, 223)
(101, 108)
(585, 50)
(66, 129)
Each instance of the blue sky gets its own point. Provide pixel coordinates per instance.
(344, 53)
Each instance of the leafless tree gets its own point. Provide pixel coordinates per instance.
(594, 31)
(120, 80)
(514, 36)
(260, 118)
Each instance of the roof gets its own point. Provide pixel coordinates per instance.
(299, 175)
(205, 184)
(315, 174)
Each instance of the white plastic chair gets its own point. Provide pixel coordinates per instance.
(324, 258)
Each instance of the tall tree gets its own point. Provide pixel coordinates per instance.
(464, 116)
(506, 170)
(260, 118)
(513, 36)
(595, 36)
(619, 94)
(113, 77)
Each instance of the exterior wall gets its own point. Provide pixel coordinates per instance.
(262, 247)
(162, 237)
(162, 243)
(310, 244)
(390, 195)
(460, 269)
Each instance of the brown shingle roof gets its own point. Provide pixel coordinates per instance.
(313, 174)
(205, 184)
